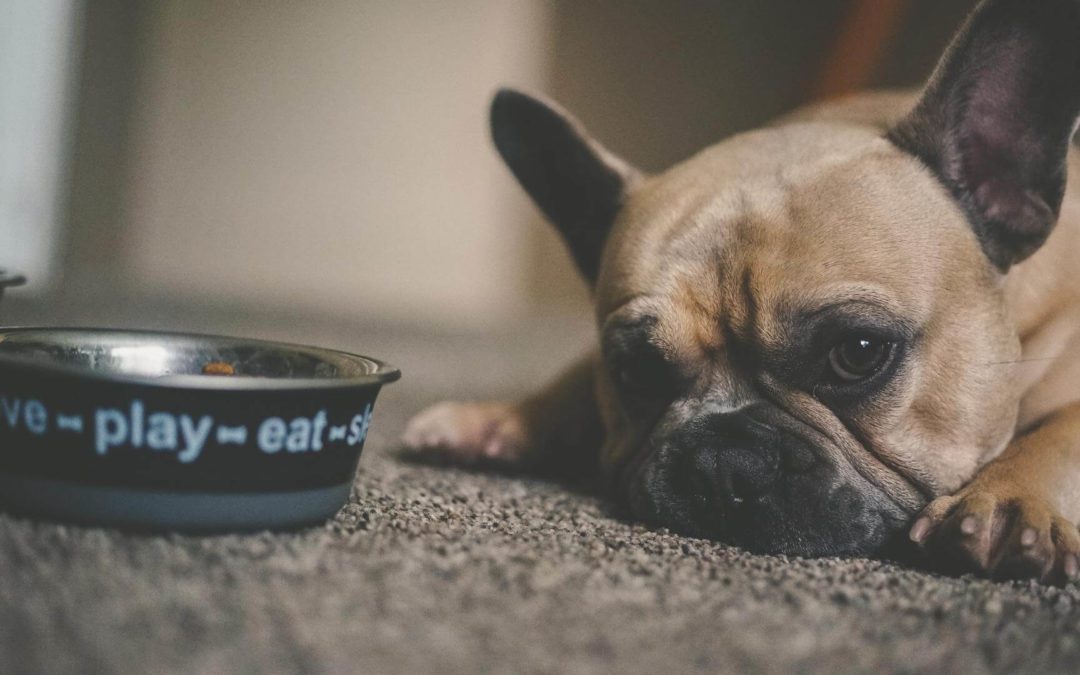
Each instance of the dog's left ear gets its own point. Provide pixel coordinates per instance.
(996, 120)
(576, 183)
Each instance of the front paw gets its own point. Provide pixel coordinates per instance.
(470, 432)
(997, 530)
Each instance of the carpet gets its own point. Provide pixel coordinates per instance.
(439, 569)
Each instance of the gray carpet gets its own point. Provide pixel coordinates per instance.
(433, 569)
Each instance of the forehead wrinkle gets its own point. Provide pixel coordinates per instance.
(720, 288)
(751, 282)
(692, 328)
(705, 225)
(717, 292)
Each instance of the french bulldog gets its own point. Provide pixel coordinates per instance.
(856, 326)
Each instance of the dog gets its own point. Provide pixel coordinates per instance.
(855, 327)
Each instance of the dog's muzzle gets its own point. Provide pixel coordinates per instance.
(741, 477)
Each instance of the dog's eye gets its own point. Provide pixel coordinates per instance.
(645, 374)
(641, 374)
(859, 356)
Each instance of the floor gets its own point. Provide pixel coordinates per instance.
(433, 568)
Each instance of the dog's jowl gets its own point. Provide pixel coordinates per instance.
(856, 326)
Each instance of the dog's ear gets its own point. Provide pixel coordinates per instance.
(996, 120)
(576, 183)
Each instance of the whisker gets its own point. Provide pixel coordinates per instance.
(1005, 363)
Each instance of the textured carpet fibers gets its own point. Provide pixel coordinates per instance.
(435, 569)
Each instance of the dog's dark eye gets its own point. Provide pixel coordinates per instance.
(643, 374)
(638, 365)
(859, 356)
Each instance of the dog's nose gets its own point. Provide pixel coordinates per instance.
(728, 476)
(729, 459)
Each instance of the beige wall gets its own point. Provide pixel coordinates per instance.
(331, 155)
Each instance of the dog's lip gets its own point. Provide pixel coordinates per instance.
(916, 495)
(631, 472)
(907, 503)
(678, 515)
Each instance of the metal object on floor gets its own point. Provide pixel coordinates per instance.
(169, 431)
(9, 280)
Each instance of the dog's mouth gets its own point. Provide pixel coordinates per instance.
(818, 511)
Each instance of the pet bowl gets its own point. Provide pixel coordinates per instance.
(179, 432)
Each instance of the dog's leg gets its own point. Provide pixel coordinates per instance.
(1016, 518)
(555, 430)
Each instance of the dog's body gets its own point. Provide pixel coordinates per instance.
(816, 333)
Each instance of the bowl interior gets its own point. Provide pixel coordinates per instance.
(160, 355)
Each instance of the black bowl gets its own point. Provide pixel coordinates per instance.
(179, 432)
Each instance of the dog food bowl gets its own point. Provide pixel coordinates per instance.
(179, 432)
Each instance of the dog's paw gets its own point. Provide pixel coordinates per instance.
(470, 432)
(1000, 532)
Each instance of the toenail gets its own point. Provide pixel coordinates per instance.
(1071, 566)
(1028, 537)
(969, 525)
(494, 447)
(920, 529)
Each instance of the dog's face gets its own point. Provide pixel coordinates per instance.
(799, 333)
(803, 329)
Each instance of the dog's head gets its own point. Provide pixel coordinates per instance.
(803, 327)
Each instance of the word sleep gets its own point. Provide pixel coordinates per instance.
(133, 426)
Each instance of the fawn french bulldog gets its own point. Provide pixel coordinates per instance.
(858, 322)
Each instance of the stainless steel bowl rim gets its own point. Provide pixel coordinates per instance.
(382, 373)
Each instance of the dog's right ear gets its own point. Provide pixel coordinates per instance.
(576, 183)
(997, 117)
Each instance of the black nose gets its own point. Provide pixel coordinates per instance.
(731, 475)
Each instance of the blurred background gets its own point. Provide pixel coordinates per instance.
(266, 166)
